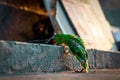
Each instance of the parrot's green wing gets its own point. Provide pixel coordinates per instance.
(78, 40)
(76, 45)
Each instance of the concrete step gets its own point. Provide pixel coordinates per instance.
(19, 57)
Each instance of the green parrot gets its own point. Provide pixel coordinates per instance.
(76, 46)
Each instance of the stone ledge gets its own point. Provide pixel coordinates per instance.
(103, 59)
(18, 57)
(27, 57)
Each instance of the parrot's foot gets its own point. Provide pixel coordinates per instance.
(80, 71)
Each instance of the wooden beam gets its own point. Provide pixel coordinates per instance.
(90, 23)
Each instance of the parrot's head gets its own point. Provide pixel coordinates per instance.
(61, 38)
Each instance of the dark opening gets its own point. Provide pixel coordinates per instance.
(23, 25)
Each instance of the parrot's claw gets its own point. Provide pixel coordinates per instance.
(80, 71)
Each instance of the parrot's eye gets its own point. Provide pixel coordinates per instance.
(56, 37)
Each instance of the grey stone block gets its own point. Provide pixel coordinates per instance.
(18, 57)
(106, 59)
(23, 57)
(103, 59)
(91, 58)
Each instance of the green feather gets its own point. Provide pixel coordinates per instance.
(76, 45)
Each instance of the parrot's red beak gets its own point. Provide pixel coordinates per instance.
(54, 42)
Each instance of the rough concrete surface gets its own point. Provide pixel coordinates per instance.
(103, 59)
(18, 57)
(106, 59)
(23, 57)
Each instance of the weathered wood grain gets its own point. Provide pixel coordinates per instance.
(90, 23)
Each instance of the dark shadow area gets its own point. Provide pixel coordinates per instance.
(111, 9)
(25, 26)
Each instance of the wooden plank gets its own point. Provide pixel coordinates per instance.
(95, 32)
